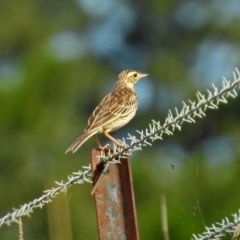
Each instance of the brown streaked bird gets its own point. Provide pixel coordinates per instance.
(114, 111)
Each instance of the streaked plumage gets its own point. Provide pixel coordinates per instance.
(114, 111)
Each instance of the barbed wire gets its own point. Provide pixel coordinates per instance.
(25, 210)
(219, 229)
(154, 132)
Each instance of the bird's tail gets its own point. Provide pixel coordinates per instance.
(79, 141)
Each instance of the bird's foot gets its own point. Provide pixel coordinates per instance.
(120, 145)
(106, 147)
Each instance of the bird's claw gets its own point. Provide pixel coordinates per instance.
(108, 146)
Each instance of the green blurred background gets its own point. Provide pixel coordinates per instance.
(59, 58)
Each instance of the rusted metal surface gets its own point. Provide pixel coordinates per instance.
(115, 203)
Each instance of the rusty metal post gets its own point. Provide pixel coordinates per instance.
(115, 203)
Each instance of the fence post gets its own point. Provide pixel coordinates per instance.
(115, 203)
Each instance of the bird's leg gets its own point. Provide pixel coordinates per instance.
(98, 143)
(113, 139)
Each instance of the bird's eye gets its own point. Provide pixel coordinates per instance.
(135, 75)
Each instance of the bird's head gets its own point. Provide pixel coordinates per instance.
(129, 77)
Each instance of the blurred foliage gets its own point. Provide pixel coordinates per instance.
(46, 100)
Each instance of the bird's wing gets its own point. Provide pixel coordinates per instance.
(119, 103)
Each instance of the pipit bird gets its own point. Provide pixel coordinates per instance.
(113, 112)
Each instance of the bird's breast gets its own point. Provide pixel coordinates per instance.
(119, 123)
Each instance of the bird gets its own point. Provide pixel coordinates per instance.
(114, 111)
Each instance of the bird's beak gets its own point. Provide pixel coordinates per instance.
(143, 75)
